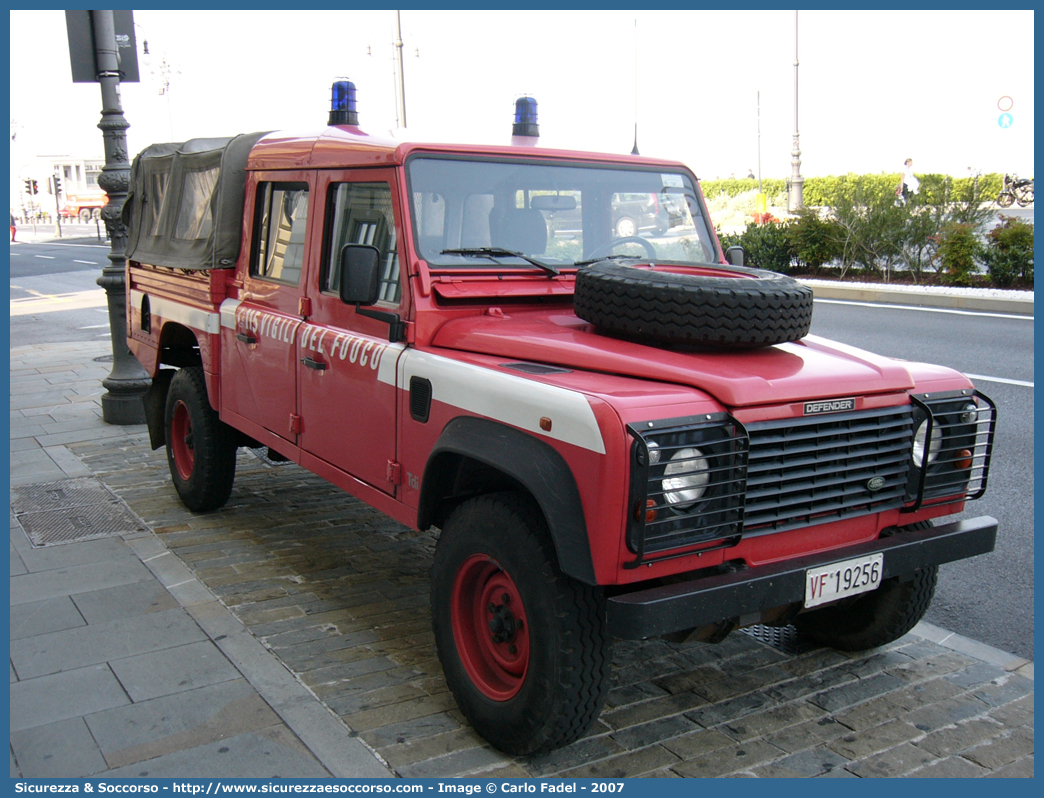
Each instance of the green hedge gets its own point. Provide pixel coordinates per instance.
(823, 191)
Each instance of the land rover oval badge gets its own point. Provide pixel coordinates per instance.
(875, 484)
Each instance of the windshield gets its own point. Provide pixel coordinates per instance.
(472, 214)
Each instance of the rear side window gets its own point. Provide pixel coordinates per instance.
(279, 231)
(361, 213)
(194, 217)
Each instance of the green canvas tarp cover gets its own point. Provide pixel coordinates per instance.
(184, 206)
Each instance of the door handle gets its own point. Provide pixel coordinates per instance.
(246, 338)
(318, 365)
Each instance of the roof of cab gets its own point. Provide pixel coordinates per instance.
(345, 146)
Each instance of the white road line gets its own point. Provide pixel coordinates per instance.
(1023, 383)
(926, 310)
(88, 262)
(44, 257)
(94, 327)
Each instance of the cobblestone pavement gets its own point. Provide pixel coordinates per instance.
(339, 593)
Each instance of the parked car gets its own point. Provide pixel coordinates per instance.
(639, 213)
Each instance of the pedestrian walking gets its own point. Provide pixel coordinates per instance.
(908, 184)
(14, 227)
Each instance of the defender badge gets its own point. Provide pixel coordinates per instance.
(828, 406)
(875, 484)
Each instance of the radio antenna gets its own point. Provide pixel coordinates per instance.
(634, 150)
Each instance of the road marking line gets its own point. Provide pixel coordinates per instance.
(926, 310)
(88, 262)
(1023, 383)
(44, 257)
(94, 327)
(45, 303)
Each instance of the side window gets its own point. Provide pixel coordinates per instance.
(194, 218)
(361, 213)
(279, 231)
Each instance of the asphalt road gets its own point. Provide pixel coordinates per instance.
(989, 598)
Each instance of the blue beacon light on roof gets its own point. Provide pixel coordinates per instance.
(342, 104)
(525, 118)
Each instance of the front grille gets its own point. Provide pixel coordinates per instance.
(707, 481)
(817, 469)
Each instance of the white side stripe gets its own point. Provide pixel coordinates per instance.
(198, 319)
(503, 397)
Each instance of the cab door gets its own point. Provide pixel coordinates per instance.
(260, 348)
(346, 363)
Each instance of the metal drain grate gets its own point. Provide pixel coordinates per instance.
(782, 638)
(70, 511)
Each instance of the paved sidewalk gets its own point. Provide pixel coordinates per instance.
(288, 635)
(122, 662)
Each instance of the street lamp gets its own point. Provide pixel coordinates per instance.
(795, 186)
(161, 74)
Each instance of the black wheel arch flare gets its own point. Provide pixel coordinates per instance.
(524, 459)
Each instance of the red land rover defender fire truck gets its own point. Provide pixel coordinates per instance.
(622, 436)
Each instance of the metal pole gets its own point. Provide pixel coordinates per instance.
(398, 60)
(795, 194)
(759, 143)
(634, 150)
(127, 382)
(57, 209)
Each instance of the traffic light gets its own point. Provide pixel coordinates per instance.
(57, 185)
(35, 189)
(28, 186)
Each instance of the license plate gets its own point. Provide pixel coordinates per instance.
(842, 579)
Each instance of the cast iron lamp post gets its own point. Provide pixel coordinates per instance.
(127, 382)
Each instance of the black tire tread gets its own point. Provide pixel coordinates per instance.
(214, 469)
(583, 657)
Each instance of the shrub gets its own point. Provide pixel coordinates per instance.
(958, 250)
(767, 246)
(813, 239)
(1009, 253)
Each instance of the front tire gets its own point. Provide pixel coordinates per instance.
(1005, 199)
(626, 227)
(523, 646)
(201, 449)
(876, 618)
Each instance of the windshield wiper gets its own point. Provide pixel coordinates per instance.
(607, 257)
(497, 252)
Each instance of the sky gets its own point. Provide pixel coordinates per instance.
(715, 89)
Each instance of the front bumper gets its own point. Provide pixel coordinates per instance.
(686, 605)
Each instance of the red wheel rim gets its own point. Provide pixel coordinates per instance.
(181, 444)
(490, 627)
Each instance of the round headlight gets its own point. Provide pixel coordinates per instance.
(685, 478)
(919, 445)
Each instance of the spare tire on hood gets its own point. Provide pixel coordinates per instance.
(717, 305)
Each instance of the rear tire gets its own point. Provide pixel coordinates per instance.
(201, 449)
(523, 646)
(877, 618)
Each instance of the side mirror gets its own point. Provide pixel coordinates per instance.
(735, 256)
(360, 274)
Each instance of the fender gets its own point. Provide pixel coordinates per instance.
(527, 460)
(155, 401)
